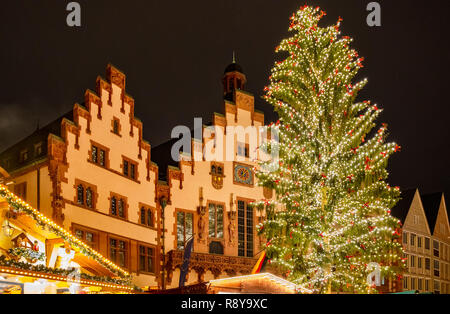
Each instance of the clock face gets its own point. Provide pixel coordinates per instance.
(243, 174)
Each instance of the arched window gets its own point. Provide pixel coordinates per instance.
(113, 206)
(89, 202)
(80, 195)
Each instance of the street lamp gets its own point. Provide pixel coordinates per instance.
(163, 203)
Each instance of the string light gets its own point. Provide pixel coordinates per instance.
(331, 215)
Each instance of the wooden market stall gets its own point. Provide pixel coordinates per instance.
(39, 256)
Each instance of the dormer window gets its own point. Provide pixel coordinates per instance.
(38, 149)
(23, 156)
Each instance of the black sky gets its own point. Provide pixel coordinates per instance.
(174, 54)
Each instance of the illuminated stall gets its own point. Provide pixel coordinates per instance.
(37, 256)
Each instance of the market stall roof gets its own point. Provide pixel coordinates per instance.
(257, 283)
(41, 227)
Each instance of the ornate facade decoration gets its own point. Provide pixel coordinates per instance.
(216, 264)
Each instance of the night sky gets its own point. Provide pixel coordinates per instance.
(174, 54)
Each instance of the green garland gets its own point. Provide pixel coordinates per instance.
(20, 208)
(58, 271)
(28, 253)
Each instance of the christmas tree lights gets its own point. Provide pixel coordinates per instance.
(331, 217)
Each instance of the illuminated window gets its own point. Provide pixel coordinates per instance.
(217, 175)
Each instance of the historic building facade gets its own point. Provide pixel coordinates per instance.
(92, 172)
(212, 200)
(426, 241)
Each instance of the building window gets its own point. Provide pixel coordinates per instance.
(118, 206)
(38, 149)
(413, 283)
(419, 284)
(85, 195)
(185, 228)
(23, 156)
(427, 263)
(80, 195)
(419, 242)
(239, 85)
(146, 259)
(217, 175)
(243, 150)
(129, 169)
(215, 247)
(215, 221)
(88, 237)
(427, 243)
(115, 126)
(413, 261)
(245, 229)
(405, 283)
(436, 248)
(147, 217)
(118, 250)
(427, 285)
(436, 287)
(89, 202)
(405, 238)
(413, 239)
(436, 268)
(419, 262)
(98, 155)
(21, 190)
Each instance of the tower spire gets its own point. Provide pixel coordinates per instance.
(234, 56)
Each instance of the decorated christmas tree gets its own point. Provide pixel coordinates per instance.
(330, 222)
